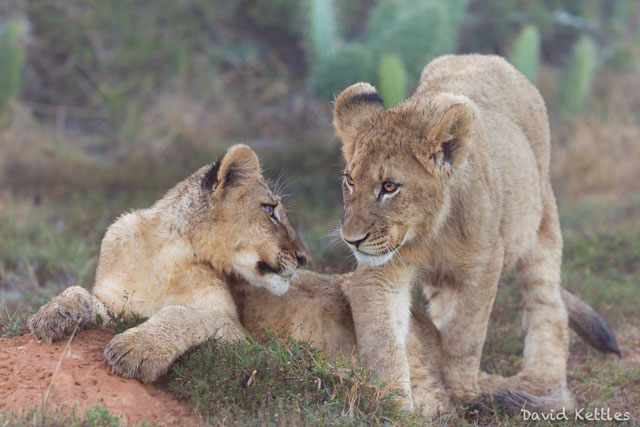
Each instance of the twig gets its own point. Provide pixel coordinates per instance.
(55, 372)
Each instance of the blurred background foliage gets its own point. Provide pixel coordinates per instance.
(106, 105)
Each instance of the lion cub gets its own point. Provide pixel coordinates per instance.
(451, 187)
(172, 263)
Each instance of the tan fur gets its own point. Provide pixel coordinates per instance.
(315, 309)
(173, 262)
(469, 154)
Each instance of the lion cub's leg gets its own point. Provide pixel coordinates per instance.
(461, 312)
(425, 359)
(147, 351)
(59, 317)
(380, 304)
(545, 316)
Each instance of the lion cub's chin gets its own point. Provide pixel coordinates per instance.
(373, 260)
(274, 283)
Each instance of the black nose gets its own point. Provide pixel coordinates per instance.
(302, 259)
(356, 243)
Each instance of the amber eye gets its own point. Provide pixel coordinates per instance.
(270, 210)
(389, 187)
(349, 180)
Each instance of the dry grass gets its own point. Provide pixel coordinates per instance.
(597, 153)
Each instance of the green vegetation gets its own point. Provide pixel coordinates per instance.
(578, 77)
(414, 32)
(392, 79)
(351, 62)
(12, 50)
(525, 54)
(322, 29)
(98, 416)
(278, 381)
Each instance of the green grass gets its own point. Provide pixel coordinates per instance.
(280, 381)
(98, 416)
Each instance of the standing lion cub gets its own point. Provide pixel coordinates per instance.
(452, 186)
(172, 263)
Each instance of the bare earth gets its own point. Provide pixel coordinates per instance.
(83, 381)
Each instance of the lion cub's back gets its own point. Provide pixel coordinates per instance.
(314, 309)
(516, 146)
(499, 90)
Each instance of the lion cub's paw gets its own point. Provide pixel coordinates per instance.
(58, 318)
(135, 354)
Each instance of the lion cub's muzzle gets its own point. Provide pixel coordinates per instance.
(285, 265)
(372, 248)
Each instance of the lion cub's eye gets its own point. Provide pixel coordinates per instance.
(389, 187)
(349, 180)
(271, 210)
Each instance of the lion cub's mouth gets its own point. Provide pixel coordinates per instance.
(264, 268)
(371, 259)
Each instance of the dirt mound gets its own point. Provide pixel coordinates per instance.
(83, 381)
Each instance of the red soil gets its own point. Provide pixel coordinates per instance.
(83, 381)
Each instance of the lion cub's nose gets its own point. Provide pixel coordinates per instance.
(301, 257)
(357, 242)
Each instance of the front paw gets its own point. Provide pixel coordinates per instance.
(58, 318)
(136, 354)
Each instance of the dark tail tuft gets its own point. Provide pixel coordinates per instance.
(589, 325)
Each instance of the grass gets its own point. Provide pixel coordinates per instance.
(98, 416)
(281, 382)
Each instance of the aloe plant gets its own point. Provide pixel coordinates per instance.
(11, 60)
(525, 54)
(578, 76)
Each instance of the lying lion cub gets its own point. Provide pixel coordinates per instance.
(172, 262)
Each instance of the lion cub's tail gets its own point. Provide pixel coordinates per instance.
(589, 325)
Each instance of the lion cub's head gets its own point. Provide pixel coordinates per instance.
(242, 227)
(400, 164)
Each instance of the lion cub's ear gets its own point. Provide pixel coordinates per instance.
(239, 166)
(356, 106)
(448, 142)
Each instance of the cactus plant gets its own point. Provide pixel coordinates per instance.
(392, 80)
(413, 31)
(525, 54)
(321, 36)
(352, 63)
(11, 60)
(578, 77)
